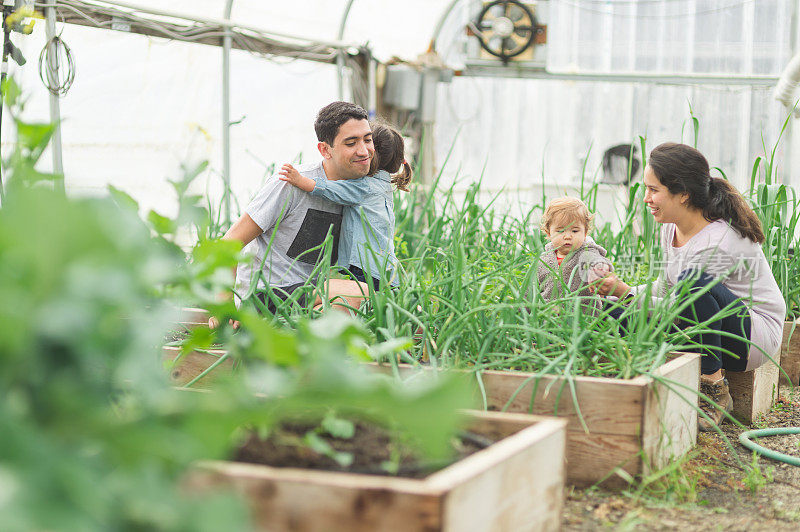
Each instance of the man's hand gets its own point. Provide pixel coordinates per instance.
(290, 174)
(213, 323)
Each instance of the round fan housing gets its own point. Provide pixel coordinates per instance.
(506, 28)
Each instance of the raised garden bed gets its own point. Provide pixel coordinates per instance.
(184, 369)
(635, 425)
(515, 484)
(191, 317)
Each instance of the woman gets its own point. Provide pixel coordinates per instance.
(708, 233)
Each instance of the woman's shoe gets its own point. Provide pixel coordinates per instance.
(720, 394)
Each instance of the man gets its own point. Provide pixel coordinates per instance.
(295, 222)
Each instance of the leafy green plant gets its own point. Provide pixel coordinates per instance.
(755, 479)
(778, 208)
(94, 436)
(680, 482)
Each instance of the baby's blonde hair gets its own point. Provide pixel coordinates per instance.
(567, 211)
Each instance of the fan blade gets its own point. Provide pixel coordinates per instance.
(522, 42)
(515, 13)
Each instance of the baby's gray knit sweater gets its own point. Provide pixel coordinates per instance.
(575, 271)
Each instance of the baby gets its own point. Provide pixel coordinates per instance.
(571, 257)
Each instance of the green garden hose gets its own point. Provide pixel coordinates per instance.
(744, 439)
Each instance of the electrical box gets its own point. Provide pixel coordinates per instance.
(402, 87)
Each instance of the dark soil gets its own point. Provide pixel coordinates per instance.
(181, 334)
(717, 489)
(176, 336)
(371, 446)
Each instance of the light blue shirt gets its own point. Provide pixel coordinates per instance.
(366, 242)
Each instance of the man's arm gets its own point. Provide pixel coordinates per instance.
(244, 230)
(268, 207)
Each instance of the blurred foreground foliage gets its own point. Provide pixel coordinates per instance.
(94, 437)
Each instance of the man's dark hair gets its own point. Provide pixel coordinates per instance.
(331, 117)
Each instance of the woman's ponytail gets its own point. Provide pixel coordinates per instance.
(727, 203)
(684, 170)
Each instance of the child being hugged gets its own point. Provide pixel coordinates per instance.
(366, 245)
(571, 258)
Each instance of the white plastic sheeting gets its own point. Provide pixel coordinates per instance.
(546, 129)
(140, 106)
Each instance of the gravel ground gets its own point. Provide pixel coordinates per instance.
(713, 491)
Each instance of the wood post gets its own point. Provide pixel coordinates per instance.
(790, 353)
(754, 391)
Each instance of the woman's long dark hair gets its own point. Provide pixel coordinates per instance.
(684, 170)
(389, 155)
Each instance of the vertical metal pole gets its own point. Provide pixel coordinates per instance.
(792, 161)
(427, 115)
(55, 107)
(3, 74)
(341, 52)
(226, 117)
(372, 90)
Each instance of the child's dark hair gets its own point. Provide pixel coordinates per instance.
(390, 155)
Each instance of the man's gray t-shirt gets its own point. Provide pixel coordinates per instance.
(298, 221)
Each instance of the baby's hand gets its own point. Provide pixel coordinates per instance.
(290, 174)
(598, 271)
(610, 285)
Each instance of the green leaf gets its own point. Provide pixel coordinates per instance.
(338, 427)
(161, 224)
(11, 93)
(336, 325)
(200, 338)
(384, 350)
(268, 343)
(34, 136)
(123, 199)
(208, 256)
(322, 447)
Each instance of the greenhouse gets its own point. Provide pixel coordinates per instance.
(380, 265)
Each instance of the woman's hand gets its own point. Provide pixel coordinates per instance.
(610, 285)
